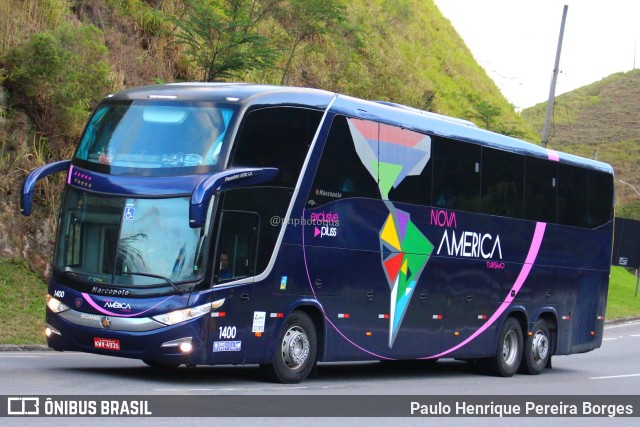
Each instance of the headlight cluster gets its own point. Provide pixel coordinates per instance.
(178, 316)
(55, 305)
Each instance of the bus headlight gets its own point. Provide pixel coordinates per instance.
(55, 305)
(178, 316)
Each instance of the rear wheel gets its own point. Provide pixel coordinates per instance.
(509, 352)
(296, 350)
(537, 349)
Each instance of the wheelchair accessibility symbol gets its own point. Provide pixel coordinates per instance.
(129, 213)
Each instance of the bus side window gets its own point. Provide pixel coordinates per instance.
(541, 183)
(238, 242)
(572, 195)
(340, 173)
(600, 198)
(502, 183)
(276, 137)
(456, 174)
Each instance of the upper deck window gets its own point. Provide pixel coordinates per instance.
(144, 134)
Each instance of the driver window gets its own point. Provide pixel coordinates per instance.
(237, 246)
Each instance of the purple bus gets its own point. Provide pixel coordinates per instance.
(207, 224)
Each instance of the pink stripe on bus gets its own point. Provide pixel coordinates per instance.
(536, 242)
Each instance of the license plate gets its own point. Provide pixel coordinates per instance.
(106, 344)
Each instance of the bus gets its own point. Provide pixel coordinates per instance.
(227, 223)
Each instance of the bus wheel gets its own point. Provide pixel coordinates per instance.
(537, 349)
(296, 350)
(509, 352)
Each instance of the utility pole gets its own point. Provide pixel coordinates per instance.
(554, 79)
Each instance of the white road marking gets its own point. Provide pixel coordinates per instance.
(614, 376)
(622, 325)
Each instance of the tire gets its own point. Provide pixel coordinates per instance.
(296, 350)
(508, 355)
(537, 349)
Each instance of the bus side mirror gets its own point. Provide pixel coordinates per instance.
(233, 178)
(29, 185)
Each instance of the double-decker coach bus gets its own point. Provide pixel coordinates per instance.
(207, 224)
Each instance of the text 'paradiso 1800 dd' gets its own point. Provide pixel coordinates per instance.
(207, 224)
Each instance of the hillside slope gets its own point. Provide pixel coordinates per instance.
(601, 120)
(51, 53)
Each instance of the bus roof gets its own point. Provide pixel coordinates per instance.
(386, 112)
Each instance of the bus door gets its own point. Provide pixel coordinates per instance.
(231, 322)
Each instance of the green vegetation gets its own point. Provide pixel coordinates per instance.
(22, 306)
(222, 39)
(622, 303)
(57, 75)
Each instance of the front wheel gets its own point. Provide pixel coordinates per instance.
(296, 350)
(537, 349)
(509, 352)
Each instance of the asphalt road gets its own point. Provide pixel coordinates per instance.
(614, 369)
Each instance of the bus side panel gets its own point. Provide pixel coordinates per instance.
(468, 306)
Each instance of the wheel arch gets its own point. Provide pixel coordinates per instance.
(315, 313)
(520, 315)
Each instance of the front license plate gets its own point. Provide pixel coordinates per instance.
(106, 344)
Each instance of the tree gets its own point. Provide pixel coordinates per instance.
(484, 111)
(221, 36)
(488, 114)
(59, 75)
(306, 19)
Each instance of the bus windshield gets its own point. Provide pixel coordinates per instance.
(128, 242)
(152, 134)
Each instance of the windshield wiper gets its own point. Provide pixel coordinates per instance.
(155, 276)
(76, 275)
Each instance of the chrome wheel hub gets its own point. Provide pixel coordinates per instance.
(295, 347)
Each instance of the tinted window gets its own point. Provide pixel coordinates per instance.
(405, 165)
(456, 174)
(572, 195)
(341, 173)
(540, 189)
(151, 134)
(414, 189)
(238, 245)
(267, 203)
(277, 137)
(502, 183)
(600, 198)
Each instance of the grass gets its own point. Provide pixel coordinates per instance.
(622, 303)
(22, 306)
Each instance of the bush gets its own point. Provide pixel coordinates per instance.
(58, 76)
